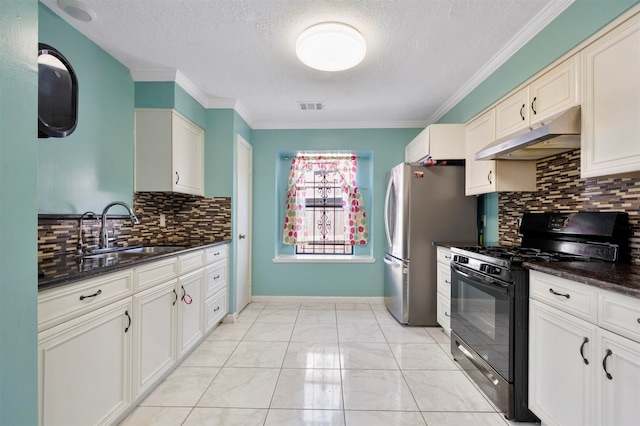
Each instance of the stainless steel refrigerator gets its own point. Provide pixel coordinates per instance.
(422, 205)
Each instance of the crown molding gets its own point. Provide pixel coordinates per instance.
(541, 20)
(341, 125)
(174, 75)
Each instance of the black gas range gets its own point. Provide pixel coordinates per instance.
(490, 291)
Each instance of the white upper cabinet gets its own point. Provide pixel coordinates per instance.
(611, 108)
(440, 141)
(486, 176)
(553, 92)
(480, 175)
(169, 153)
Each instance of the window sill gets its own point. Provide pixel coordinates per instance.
(310, 258)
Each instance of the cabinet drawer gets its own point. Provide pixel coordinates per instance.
(619, 314)
(190, 261)
(215, 254)
(443, 313)
(62, 304)
(574, 298)
(444, 255)
(444, 279)
(215, 309)
(215, 277)
(148, 275)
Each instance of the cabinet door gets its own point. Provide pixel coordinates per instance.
(619, 400)
(84, 368)
(555, 91)
(190, 305)
(188, 156)
(418, 148)
(154, 332)
(561, 384)
(480, 175)
(512, 114)
(611, 107)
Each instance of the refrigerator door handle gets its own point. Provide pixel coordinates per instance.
(390, 261)
(386, 213)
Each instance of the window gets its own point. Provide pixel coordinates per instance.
(324, 209)
(324, 216)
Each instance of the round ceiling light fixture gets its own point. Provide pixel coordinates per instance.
(331, 46)
(77, 10)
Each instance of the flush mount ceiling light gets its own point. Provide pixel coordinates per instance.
(331, 46)
(77, 10)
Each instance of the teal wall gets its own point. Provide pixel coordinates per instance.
(312, 279)
(577, 23)
(94, 165)
(167, 94)
(18, 212)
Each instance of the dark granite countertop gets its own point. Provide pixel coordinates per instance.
(66, 268)
(622, 278)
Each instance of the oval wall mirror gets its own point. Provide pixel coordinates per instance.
(57, 94)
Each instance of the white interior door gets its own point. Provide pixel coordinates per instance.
(244, 171)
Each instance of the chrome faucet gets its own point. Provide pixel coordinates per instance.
(80, 246)
(104, 232)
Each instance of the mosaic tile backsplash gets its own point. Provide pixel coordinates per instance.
(187, 219)
(560, 189)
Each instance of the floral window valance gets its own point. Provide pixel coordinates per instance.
(355, 228)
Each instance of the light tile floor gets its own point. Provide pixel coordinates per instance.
(318, 364)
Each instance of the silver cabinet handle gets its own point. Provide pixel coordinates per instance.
(522, 112)
(177, 178)
(447, 257)
(533, 105)
(242, 236)
(489, 176)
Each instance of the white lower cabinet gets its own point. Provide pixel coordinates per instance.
(84, 368)
(619, 391)
(560, 383)
(215, 309)
(190, 305)
(443, 310)
(581, 373)
(154, 335)
(93, 367)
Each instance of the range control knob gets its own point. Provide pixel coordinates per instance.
(490, 269)
(460, 259)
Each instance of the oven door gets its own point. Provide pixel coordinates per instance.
(482, 316)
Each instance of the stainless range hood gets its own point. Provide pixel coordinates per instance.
(559, 134)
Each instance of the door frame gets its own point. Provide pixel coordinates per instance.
(241, 141)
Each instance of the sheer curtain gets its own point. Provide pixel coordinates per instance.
(355, 229)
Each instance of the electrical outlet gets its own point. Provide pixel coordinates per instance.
(162, 220)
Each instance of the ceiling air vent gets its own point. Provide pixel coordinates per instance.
(311, 106)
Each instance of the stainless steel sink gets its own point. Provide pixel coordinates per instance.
(153, 249)
(132, 252)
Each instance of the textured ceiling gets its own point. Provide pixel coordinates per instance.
(422, 55)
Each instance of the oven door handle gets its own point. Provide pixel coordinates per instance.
(479, 366)
(478, 279)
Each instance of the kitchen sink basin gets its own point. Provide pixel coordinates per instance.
(132, 252)
(153, 249)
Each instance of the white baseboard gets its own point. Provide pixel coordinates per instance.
(319, 299)
(230, 317)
